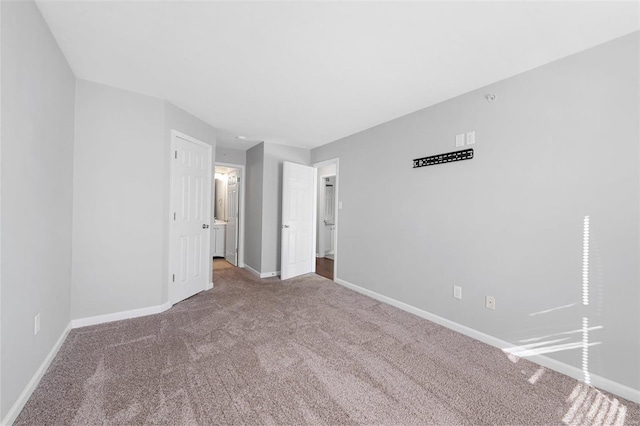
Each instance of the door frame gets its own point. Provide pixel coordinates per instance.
(208, 285)
(241, 200)
(317, 165)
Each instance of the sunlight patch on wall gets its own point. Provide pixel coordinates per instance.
(546, 347)
(546, 311)
(585, 299)
(580, 330)
(585, 350)
(585, 261)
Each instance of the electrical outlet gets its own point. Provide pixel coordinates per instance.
(490, 303)
(459, 140)
(457, 292)
(36, 324)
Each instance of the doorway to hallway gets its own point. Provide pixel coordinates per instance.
(228, 224)
(328, 204)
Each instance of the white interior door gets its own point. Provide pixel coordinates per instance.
(297, 250)
(191, 204)
(231, 243)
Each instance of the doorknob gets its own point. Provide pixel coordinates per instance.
(204, 226)
(285, 226)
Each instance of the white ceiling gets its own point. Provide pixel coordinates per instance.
(308, 73)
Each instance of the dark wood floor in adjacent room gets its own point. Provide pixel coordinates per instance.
(324, 267)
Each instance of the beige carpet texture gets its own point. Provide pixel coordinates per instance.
(304, 351)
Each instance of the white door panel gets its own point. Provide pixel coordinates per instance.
(191, 202)
(297, 251)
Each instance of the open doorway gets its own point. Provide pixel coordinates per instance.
(327, 218)
(227, 235)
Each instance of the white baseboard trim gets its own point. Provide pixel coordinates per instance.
(250, 269)
(209, 286)
(261, 274)
(561, 367)
(17, 407)
(117, 316)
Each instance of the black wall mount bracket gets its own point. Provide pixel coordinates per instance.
(449, 157)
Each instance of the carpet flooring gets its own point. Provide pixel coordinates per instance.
(304, 351)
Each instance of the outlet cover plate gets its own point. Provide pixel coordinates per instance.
(490, 303)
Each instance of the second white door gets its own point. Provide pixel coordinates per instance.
(297, 250)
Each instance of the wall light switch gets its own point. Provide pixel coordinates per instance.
(460, 140)
(457, 292)
(471, 138)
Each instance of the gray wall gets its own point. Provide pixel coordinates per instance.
(231, 155)
(122, 197)
(180, 120)
(560, 143)
(119, 189)
(274, 156)
(253, 207)
(37, 164)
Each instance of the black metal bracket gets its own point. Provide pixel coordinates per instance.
(449, 157)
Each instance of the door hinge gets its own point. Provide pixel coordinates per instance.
(175, 155)
(174, 215)
(174, 278)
